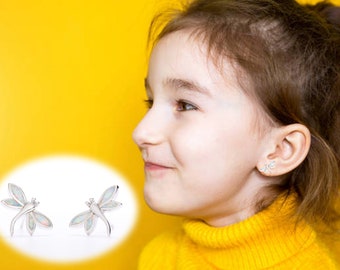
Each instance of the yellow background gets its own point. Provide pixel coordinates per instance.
(71, 82)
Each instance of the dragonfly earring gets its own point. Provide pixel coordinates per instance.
(19, 201)
(89, 217)
(267, 168)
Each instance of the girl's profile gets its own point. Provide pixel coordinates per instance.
(242, 135)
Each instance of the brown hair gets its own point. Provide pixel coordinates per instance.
(291, 55)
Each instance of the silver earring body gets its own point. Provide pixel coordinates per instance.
(33, 217)
(89, 217)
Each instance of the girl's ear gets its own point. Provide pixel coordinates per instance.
(286, 150)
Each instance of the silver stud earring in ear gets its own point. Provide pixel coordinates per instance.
(89, 217)
(267, 168)
(33, 217)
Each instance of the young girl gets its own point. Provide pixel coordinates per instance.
(242, 135)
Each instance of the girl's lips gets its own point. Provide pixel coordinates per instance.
(154, 167)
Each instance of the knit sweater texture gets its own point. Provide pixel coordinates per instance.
(271, 239)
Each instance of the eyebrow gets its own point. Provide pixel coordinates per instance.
(176, 84)
(190, 85)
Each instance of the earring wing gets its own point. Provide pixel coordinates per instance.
(42, 219)
(30, 223)
(90, 224)
(17, 194)
(110, 205)
(108, 194)
(11, 203)
(80, 218)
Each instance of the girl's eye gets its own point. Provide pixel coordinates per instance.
(149, 103)
(182, 105)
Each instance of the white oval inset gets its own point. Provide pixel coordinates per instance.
(62, 185)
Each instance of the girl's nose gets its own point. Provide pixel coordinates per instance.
(150, 130)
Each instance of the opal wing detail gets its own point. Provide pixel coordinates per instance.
(90, 224)
(110, 205)
(30, 223)
(11, 203)
(17, 194)
(42, 220)
(83, 216)
(109, 194)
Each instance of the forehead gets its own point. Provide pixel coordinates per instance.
(181, 55)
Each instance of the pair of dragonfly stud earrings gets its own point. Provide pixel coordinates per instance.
(33, 217)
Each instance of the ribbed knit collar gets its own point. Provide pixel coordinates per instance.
(271, 235)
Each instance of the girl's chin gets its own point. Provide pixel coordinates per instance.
(162, 207)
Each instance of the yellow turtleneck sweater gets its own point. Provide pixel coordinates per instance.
(271, 239)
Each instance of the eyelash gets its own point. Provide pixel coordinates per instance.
(181, 105)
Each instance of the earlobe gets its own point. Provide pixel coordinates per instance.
(288, 148)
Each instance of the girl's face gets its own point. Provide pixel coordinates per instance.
(199, 139)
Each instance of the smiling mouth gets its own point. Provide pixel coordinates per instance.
(149, 166)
